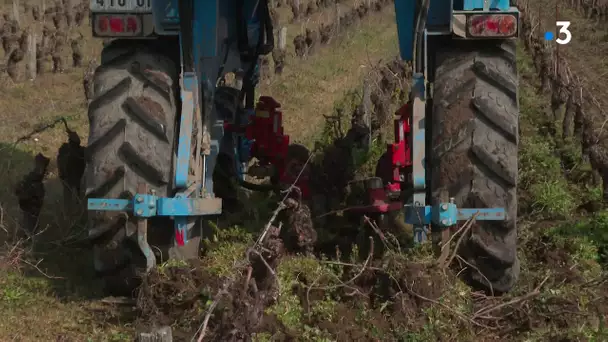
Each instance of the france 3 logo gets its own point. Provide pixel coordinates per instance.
(564, 35)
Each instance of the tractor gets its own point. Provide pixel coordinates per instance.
(174, 101)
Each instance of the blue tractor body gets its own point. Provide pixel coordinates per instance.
(203, 27)
(210, 45)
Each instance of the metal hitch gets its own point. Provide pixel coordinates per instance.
(446, 215)
(146, 204)
(149, 205)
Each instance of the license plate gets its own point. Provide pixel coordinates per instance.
(121, 6)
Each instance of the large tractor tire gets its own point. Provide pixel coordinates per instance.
(474, 133)
(132, 132)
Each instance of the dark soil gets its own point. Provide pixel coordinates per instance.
(179, 296)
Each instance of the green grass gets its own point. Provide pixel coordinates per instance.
(549, 197)
(592, 234)
(28, 303)
(312, 89)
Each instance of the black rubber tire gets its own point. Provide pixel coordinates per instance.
(132, 131)
(474, 156)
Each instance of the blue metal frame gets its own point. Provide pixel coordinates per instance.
(166, 21)
(194, 198)
(404, 12)
(146, 206)
(199, 33)
(447, 214)
(485, 5)
(242, 146)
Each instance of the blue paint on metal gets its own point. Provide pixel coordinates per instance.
(166, 17)
(141, 205)
(418, 133)
(418, 144)
(242, 145)
(204, 45)
(492, 214)
(420, 234)
(243, 153)
(418, 85)
(417, 215)
(99, 204)
(244, 149)
(205, 30)
(420, 175)
(189, 93)
(447, 214)
(182, 206)
(440, 13)
(502, 5)
(150, 205)
(239, 165)
(144, 205)
(404, 12)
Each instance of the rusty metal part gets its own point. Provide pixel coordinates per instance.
(142, 234)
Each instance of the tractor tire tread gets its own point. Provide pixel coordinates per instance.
(132, 125)
(475, 138)
(105, 138)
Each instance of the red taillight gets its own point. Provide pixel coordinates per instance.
(117, 25)
(103, 24)
(132, 24)
(492, 25)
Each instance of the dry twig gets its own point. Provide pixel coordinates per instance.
(484, 311)
(465, 229)
(202, 330)
(349, 281)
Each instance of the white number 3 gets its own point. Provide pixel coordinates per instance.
(563, 25)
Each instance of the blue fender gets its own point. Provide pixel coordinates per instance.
(404, 13)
